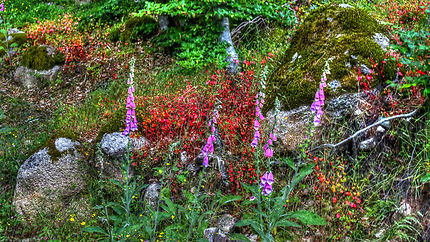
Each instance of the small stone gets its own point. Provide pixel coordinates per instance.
(295, 57)
(405, 209)
(114, 145)
(184, 157)
(381, 40)
(380, 233)
(209, 233)
(386, 124)
(335, 84)
(365, 70)
(64, 144)
(345, 6)
(151, 195)
(226, 223)
(380, 130)
(368, 144)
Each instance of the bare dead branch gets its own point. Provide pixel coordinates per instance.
(364, 129)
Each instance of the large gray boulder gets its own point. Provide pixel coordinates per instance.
(114, 148)
(293, 124)
(31, 79)
(115, 145)
(47, 183)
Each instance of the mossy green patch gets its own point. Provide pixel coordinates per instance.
(114, 125)
(329, 31)
(50, 144)
(139, 28)
(37, 58)
(18, 38)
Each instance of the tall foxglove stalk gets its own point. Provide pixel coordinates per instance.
(318, 103)
(130, 120)
(209, 147)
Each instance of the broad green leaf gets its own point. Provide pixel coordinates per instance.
(228, 199)
(425, 178)
(290, 163)
(94, 229)
(239, 237)
(286, 223)
(307, 217)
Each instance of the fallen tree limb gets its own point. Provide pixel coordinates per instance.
(364, 129)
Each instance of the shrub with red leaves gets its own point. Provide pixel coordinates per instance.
(65, 37)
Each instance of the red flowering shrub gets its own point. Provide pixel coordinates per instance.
(63, 34)
(184, 116)
(407, 14)
(335, 196)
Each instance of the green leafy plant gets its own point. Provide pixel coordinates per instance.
(270, 212)
(415, 50)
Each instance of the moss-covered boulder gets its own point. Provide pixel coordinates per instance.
(15, 38)
(139, 28)
(350, 35)
(41, 58)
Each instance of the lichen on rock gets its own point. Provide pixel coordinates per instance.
(345, 33)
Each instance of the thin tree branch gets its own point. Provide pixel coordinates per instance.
(362, 130)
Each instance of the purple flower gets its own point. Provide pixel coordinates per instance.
(252, 198)
(269, 153)
(266, 183)
(2, 6)
(130, 119)
(256, 124)
(257, 135)
(206, 161)
(273, 137)
(254, 143)
(267, 190)
(270, 179)
(267, 178)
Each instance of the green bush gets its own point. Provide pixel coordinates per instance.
(139, 28)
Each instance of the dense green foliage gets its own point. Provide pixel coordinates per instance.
(190, 110)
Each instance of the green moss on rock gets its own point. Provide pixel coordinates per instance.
(114, 125)
(18, 38)
(37, 58)
(139, 28)
(50, 144)
(346, 34)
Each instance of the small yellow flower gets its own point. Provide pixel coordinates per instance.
(83, 223)
(94, 215)
(127, 235)
(168, 164)
(160, 171)
(72, 219)
(173, 217)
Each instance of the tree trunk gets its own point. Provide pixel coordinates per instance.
(225, 36)
(163, 21)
